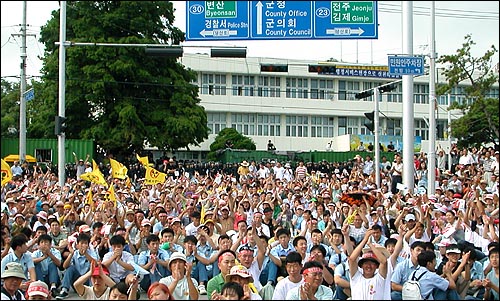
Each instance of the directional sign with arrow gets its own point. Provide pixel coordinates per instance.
(280, 20)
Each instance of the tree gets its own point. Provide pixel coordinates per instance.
(119, 96)
(238, 141)
(479, 124)
(10, 109)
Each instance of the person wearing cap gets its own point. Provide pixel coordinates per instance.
(38, 290)
(47, 259)
(180, 283)
(452, 260)
(367, 283)
(80, 165)
(242, 276)
(12, 276)
(42, 217)
(100, 280)
(139, 242)
(19, 223)
(155, 260)
(19, 254)
(311, 288)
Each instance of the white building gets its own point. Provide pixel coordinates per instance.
(300, 110)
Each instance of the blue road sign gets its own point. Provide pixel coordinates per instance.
(281, 20)
(29, 95)
(406, 65)
(217, 20)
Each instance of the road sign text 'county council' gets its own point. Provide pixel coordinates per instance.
(280, 20)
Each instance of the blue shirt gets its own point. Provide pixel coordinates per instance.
(81, 263)
(494, 279)
(278, 250)
(26, 261)
(429, 281)
(206, 252)
(47, 261)
(145, 257)
(402, 271)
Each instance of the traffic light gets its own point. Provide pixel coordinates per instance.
(387, 88)
(323, 69)
(370, 125)
(173, 51)
(363, 94)
(60, 125)
(229, 52)
(273, 68)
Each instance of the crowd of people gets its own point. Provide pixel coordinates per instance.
(254, 230)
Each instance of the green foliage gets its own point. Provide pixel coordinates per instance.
(10, 109)
(119, 96)
(479, 125)
(239, 142)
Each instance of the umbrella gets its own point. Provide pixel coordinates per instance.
(356, 198)
(12, 158)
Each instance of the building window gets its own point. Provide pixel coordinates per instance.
(458, 95)
(393, 127)
(296, 87)
(216, 121)
(342, 126)
(421, 94)
(322, 126)
(322, 88)
(243, 85)
(395, 95)
(244, 123)
(213, 84)
(297, 126)
(269, 86)
(268, 125)
(347, 90)
(353, 125)
(421, 129)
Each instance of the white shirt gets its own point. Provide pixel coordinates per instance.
(181, 291)
(89, 294)
(283, 287)
(367, 289)
(116, 271)
(191, 229)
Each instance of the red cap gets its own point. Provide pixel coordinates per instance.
(95, 272)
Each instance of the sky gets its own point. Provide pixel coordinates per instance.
(454, 20)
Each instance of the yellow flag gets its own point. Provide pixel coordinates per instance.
(112, 196)
(6, 172)
(153, 176)
(202, 218)
(119, 170)
(94, 165)
(94, 176)
(90, 199)
(144, 160)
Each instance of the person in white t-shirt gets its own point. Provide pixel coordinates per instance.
(180, 283)
(294, 279)
(367, 274)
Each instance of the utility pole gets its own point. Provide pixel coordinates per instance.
(22, 96)
(431, 158)
(61, 138)
(408, 107)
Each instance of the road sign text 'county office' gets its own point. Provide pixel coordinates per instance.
(275, 20)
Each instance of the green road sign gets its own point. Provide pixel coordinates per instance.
(220, 9)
